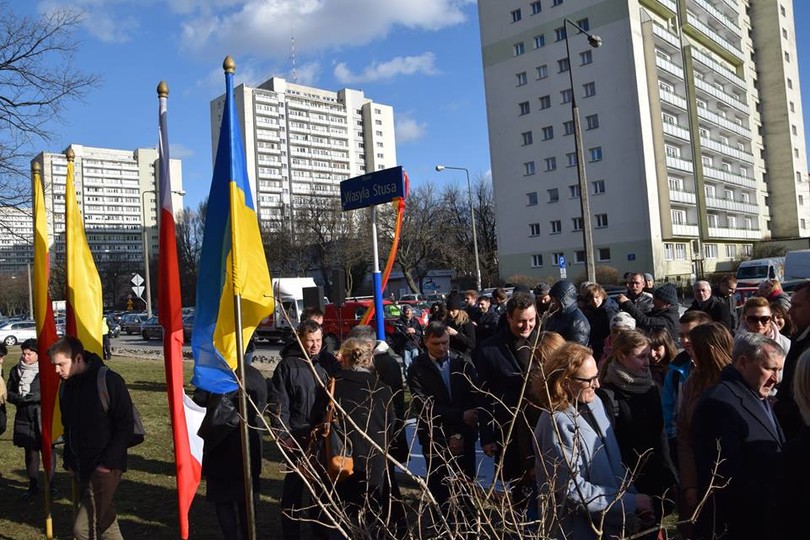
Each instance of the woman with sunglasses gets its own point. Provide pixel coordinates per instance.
(581, 481)
(758, 319)
(633, 400)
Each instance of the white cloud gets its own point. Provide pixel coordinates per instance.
(264, 27)
(180, 151)
(98, 18)
(401, 65)
(306, 74)
(408, 129)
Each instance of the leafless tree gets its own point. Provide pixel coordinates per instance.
(38, 77)
(189, 232)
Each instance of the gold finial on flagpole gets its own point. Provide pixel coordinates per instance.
(36, 167)
(229, 64)
(70, 154)
(163, 89)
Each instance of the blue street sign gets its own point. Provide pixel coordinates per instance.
(378, 187)
(562, 261)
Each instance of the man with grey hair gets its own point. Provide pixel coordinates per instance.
(716, 308)
(738, 440)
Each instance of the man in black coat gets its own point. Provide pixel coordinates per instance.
(408, 336)
(488, 319)
(442, 383)
(503, 363)
(96, 440)
(664, 313)
(738, 441)
(716, 308)
(567, 319)
(786, 409)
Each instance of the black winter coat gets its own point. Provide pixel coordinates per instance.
(730, 415)
(27, 423)
(404, 341)
(599, 319)
(292, 393)
(666, 318)
(222, 462)
(389, 373)
(785, 408)
(93, 437)
(568, 321)
(464, 341)
(487, 325)
(717, 309)
(638, 422)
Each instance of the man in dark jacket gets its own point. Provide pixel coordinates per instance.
(292, 394)
(96, 440)
(567, 319)
(738, 442)
(503, 363)
(408, 336)
(442, 383)
(715, 307)
(786, 409)
(664, 313)
(726, 291)
(487, 320)
(636, 282)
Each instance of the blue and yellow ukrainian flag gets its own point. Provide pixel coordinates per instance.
(232, 261)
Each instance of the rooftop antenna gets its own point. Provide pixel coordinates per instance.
(292, 55)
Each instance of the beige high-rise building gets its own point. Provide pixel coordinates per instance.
(301, 142)
(692, 132)
(117, 195)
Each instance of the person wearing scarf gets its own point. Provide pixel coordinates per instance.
(23, 392)
(633, 403)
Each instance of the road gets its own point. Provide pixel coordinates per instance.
(135, 343)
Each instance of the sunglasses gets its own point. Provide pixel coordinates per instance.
(588, 381)
(753, 319)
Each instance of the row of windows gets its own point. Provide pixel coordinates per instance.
(602, 255)
(536, 7)
(678, 252)
(563, 65)
(539, 40)
(601, 222)
(550, 163)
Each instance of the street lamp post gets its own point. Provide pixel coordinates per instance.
(584, 201)
(440, 168)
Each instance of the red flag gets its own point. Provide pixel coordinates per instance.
(187, 452)
(46, 326)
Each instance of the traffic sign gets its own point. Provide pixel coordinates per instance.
(562, 262)
(372, 189)
(137, 280)
(138, 290)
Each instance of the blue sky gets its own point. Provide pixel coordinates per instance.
(420, 56)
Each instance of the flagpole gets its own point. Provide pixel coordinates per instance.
(229, 65)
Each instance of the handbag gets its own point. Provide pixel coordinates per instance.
(337, 446)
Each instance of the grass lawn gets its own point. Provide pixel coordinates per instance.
(146, 500)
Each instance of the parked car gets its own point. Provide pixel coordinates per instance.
(151, 328)
(131, 323)
(338, 321)
(115, 328)
(14, 332)
(188, 324)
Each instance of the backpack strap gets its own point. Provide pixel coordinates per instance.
(610, 400)
(103, 393)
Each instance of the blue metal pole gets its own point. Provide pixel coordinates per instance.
(379, 314)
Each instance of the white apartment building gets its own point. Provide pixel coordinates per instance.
(301, 142)
(117, 195)
(692, 132)
(16, 239)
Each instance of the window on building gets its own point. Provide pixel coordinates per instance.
(545, 102)
(712, 220)
(672, 151)
(559, 33)
(801, 200)
(787, 57)
(556, 226)
(526, 137)
(576, 224)
(567, 95)
(710, 191)
(584, 24)
(573, 190)
(553, 195)
(568, 127)
(729, 194)
(548, 133)
(603, 254)
(571, 157)
(595, 153)
(534, 229)
(669, 251)
(516, 16)
(524, 107)
(539, 41)
(601, 221)
(536, 7)
(518, 49)
(680, 252)
(710, 251)
(678, 217)
(531, 199)
(579, 256)
(731, 251)
(557, 256)
(537, 261)
(731, 222)
(542, 72)
(598, 186)
(790, 84)
(794, 130)
(559, 2)
(671, 120)
(792, 107)
(590, 89)
(585, 58)
(563, 65)
(521, 78)
(675, 183)
(528, 168)
(551, 163)
(749, 224)
(592, 121)
(803, 223)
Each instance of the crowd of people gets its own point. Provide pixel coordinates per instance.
(602, 416)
